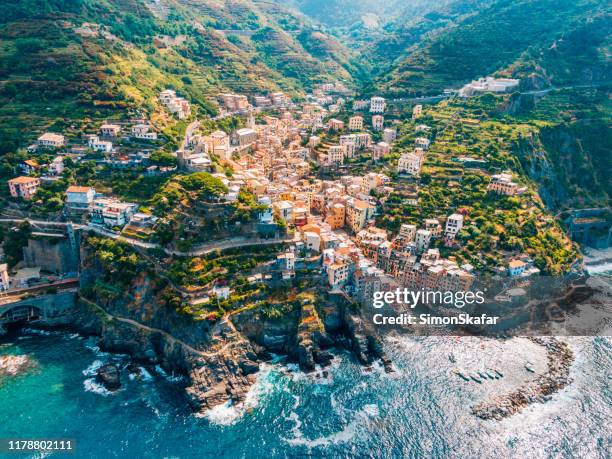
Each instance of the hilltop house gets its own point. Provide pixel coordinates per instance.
(23, 187)
(51, 140)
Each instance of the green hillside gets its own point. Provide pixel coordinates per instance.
(67, 61)
(566, 36)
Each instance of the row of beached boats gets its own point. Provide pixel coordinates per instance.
(480, 375)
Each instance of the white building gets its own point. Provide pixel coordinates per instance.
(56, 167)
(422, 142)
(422, 240)
(110, 130)
(377, 104)
(245, 136)
(335, 155)
(4, 277)
(111, 212)
(363, 140)
(410, 163)
(408, 232)
(51, 140)
(503, 184)
(266, 216)
(488, 84)
(278, 98)
(96, 144)
(143, 132)
(79, 197)
(284, 209)
(454, 223)
(175, 105)
(417, 111)
(380, 150)
(312, 241)
(313, 141)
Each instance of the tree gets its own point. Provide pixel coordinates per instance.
(205, 184)
(162, 159)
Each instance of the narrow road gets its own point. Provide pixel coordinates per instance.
(189, 133)
(199, 250)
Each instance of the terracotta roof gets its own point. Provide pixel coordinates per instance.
(78, 189)
(516, 264)
(23, 179)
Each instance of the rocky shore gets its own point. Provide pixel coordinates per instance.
(221, 361)
(560, 358)
(13, 365)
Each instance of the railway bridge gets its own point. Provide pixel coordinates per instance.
(53, 308)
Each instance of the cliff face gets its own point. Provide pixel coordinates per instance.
(221, 358)
(570, 170)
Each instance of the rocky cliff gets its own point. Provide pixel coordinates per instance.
(221, 358)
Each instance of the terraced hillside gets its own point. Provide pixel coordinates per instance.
(65, 61)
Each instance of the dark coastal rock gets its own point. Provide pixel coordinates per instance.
(305, 356)
(249, 367)
(323, 340)
(359, 339)
(323, 358)
(108, 375)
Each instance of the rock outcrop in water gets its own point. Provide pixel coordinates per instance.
(13, 365)
(560, 358)
(108, 375)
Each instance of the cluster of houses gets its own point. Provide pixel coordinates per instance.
(356, 142)
(36, 173)
(176, 105)
(333, 220)
(239, 103)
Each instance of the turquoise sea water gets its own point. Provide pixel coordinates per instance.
(421, 410)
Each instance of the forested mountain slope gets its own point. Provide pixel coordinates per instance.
(64, 61)
(562, 40)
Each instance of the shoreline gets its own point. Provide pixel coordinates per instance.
(560, 358)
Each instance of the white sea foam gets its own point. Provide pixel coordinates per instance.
(343, 436)
(91, 385)
(223, 415)
(171, 378)
(228, 413)
(146, 376)
(72, 336)
(35, 331)
(93, 368)
(96, 350)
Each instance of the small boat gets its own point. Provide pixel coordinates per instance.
(476, 378)
(493, 374)
(490, 375)
(482, 375)
(461, 375)
(529, 368)
(501, 375)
